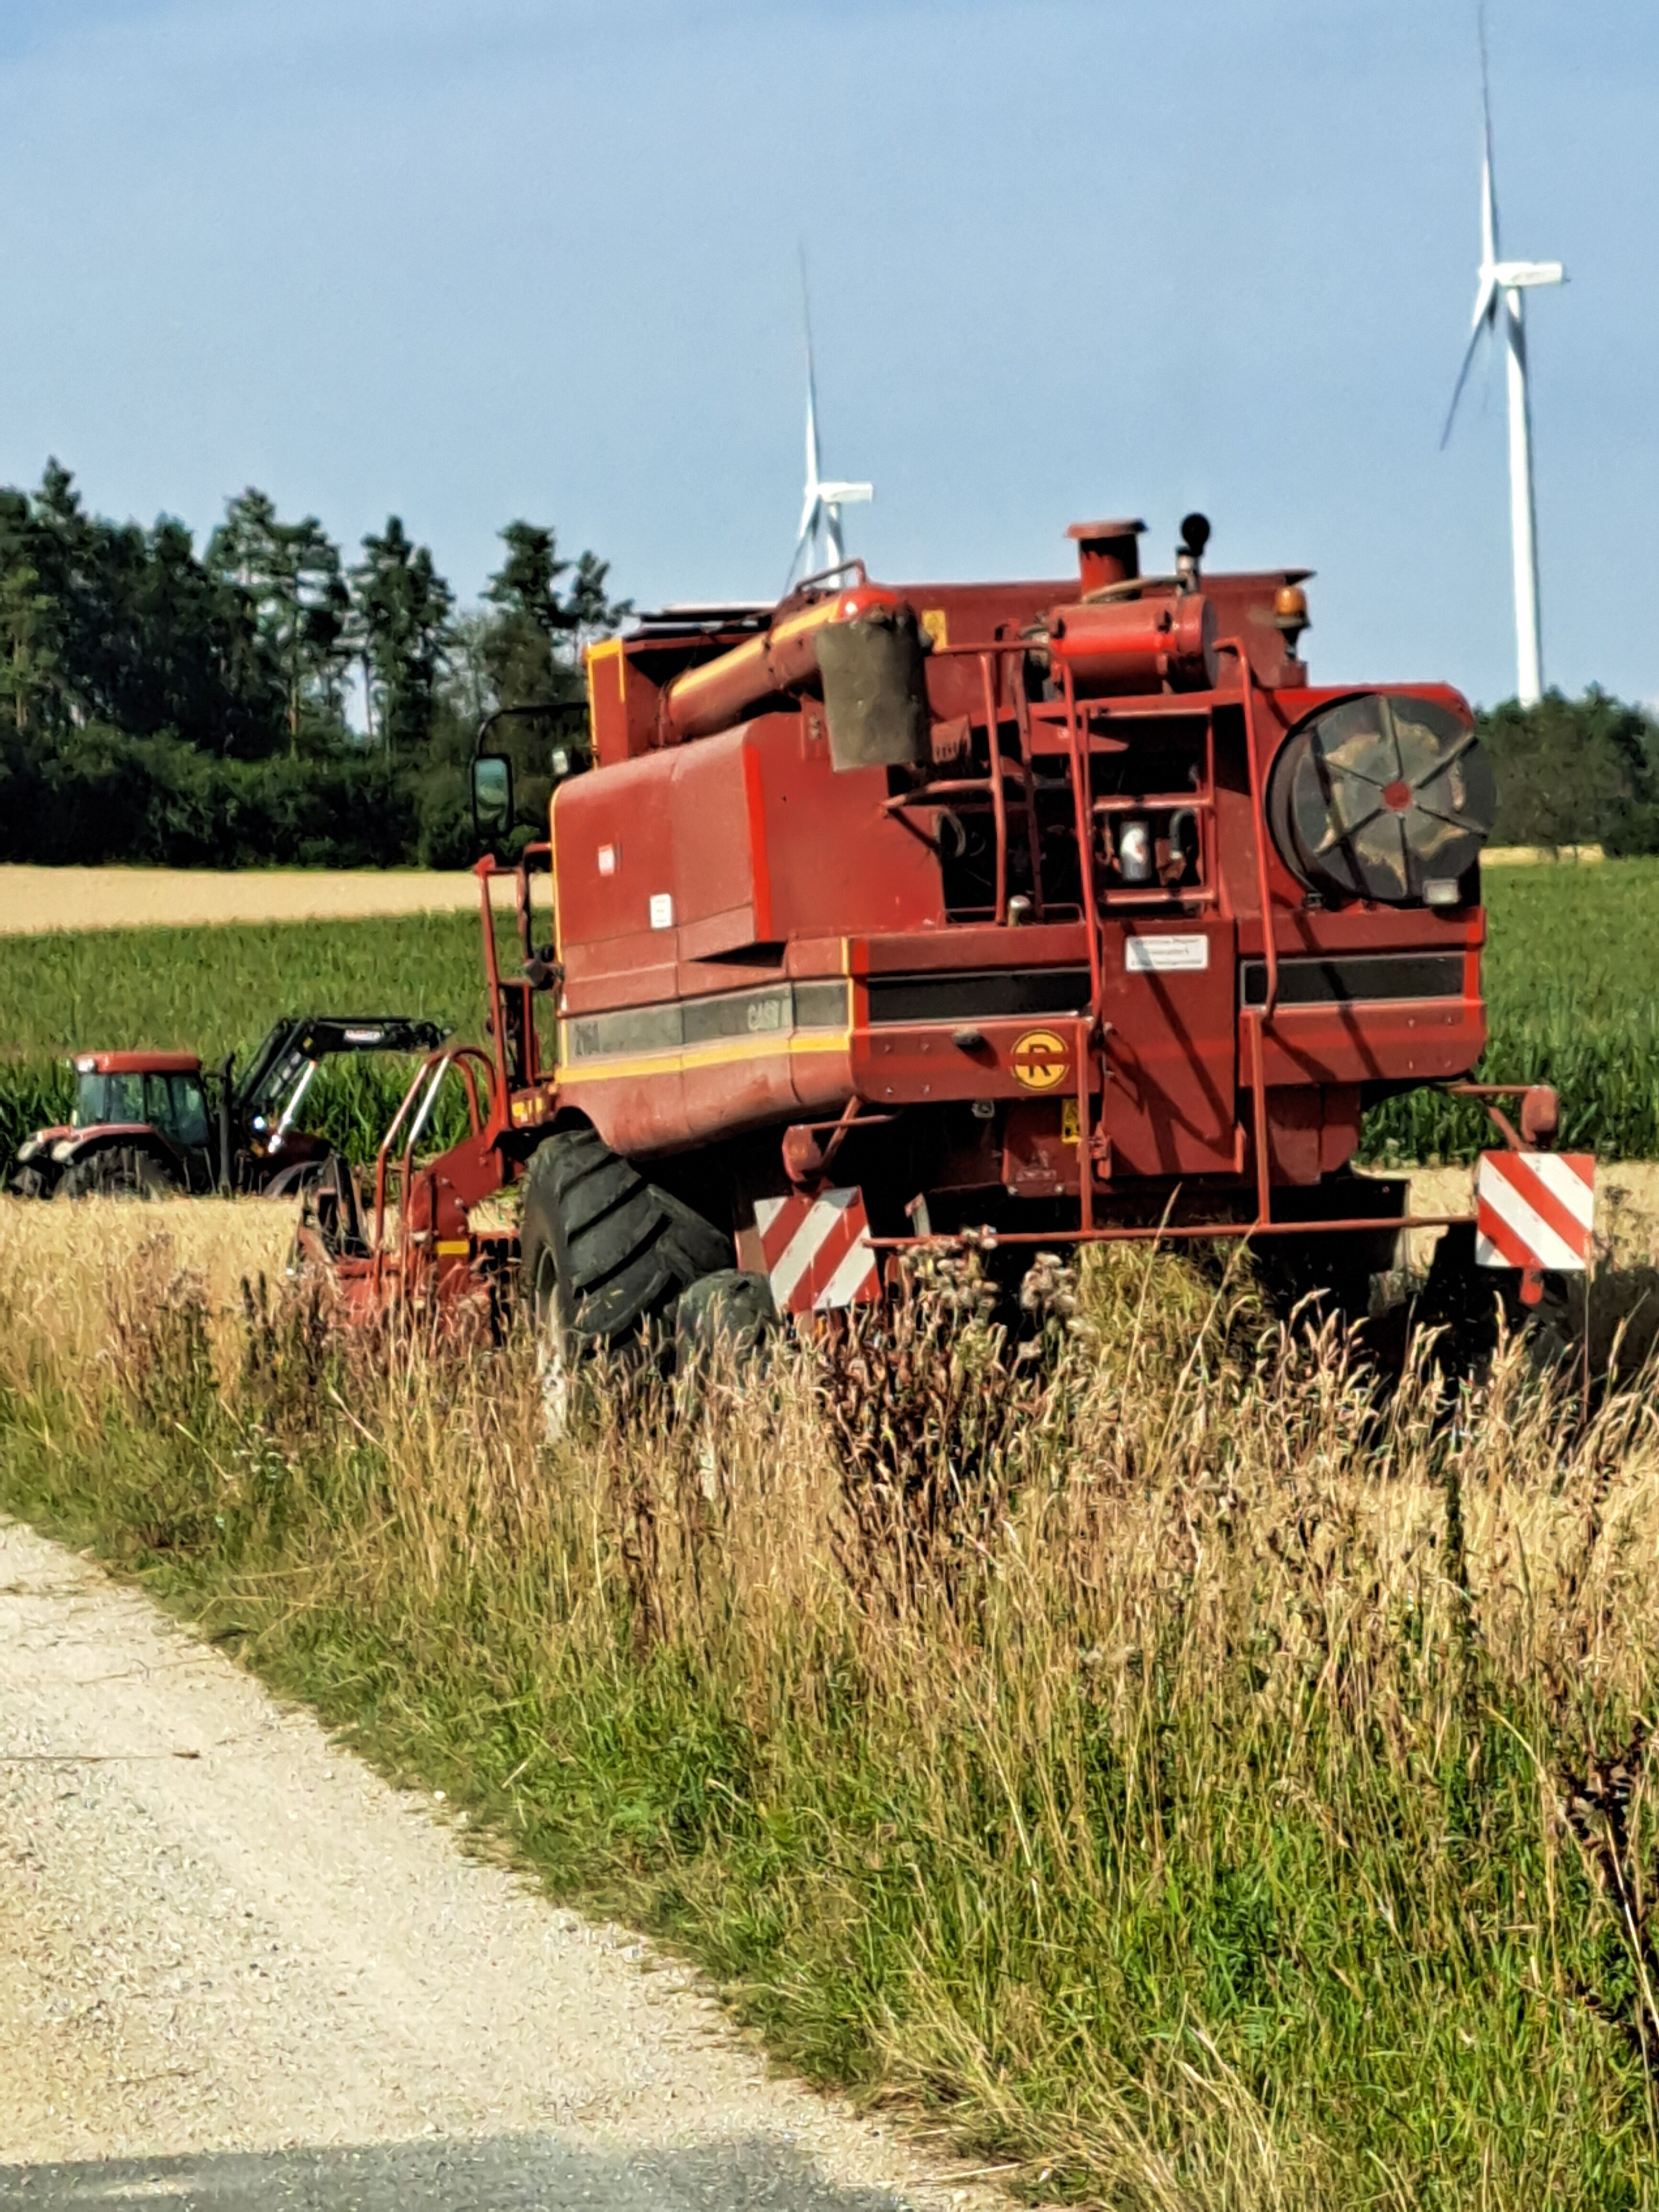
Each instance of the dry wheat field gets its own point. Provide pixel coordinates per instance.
(34, 900)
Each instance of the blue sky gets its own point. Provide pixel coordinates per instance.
(465, 259)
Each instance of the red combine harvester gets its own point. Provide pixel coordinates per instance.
(1070, 910)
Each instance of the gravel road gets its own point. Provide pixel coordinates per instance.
(238, 1970)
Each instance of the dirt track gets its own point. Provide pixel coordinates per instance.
(237, 1970)
(33, 900)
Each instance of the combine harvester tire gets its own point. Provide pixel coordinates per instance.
(605, 1256)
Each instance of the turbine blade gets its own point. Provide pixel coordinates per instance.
(812, 461)
(1524, 276)
(1483, 317)
(808, 524)
(1488, 215)
(1488, 187)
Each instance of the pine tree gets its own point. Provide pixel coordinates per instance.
(531, 651)
(400, 624)
(290, 572)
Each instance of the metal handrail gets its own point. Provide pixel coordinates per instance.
(1258, 820)
(424, 1084)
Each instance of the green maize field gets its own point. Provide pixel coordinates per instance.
(1573, 998)
(218, 990)
(1572, 981)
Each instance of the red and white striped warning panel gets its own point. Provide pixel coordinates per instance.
(1535, 1210)
(818, 1250)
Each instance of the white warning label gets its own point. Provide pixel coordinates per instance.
(1162, 956)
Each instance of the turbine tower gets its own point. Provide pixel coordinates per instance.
(821, 507)
(1498, 301)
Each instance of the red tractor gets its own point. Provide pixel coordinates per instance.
(1068, 910)
(149, 1125)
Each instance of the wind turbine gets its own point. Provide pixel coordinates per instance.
(1498, 300)
(821, 507)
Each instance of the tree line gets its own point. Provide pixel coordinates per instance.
(159, 703)
(1576, 772)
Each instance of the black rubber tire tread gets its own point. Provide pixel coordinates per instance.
(595, 1187)
(119, 1171)
(731, 1311)
(1463, 1299)
(645, 1284)
(621, 1250)
(303, 1175)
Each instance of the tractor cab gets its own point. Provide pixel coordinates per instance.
(163, 1091)
(140, 1125)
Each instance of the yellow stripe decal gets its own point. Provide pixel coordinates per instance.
(708, 1055)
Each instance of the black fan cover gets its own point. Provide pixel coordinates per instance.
(1383, 798)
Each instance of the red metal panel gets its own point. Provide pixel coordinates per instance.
(1170, 1107)
(1431, 1040)
(1312, 1130)
(648, 1103)
(737, 1093)
(622, 971)
(714, 876)
(613, 840)
(922, 1062)
(838, 862)
(964, 946)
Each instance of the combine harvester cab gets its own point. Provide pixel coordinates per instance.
(1072, 911)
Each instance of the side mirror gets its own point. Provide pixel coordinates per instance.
(492, 798)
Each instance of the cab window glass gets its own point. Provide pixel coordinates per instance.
(187, 1120)
(124, 1098)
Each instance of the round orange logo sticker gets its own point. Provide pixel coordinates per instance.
(1041, 1060)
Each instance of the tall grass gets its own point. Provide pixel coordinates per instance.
(217, 990)
(1202, 1781)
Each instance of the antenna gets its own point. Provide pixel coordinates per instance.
(1499, 286)
(820, 538)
